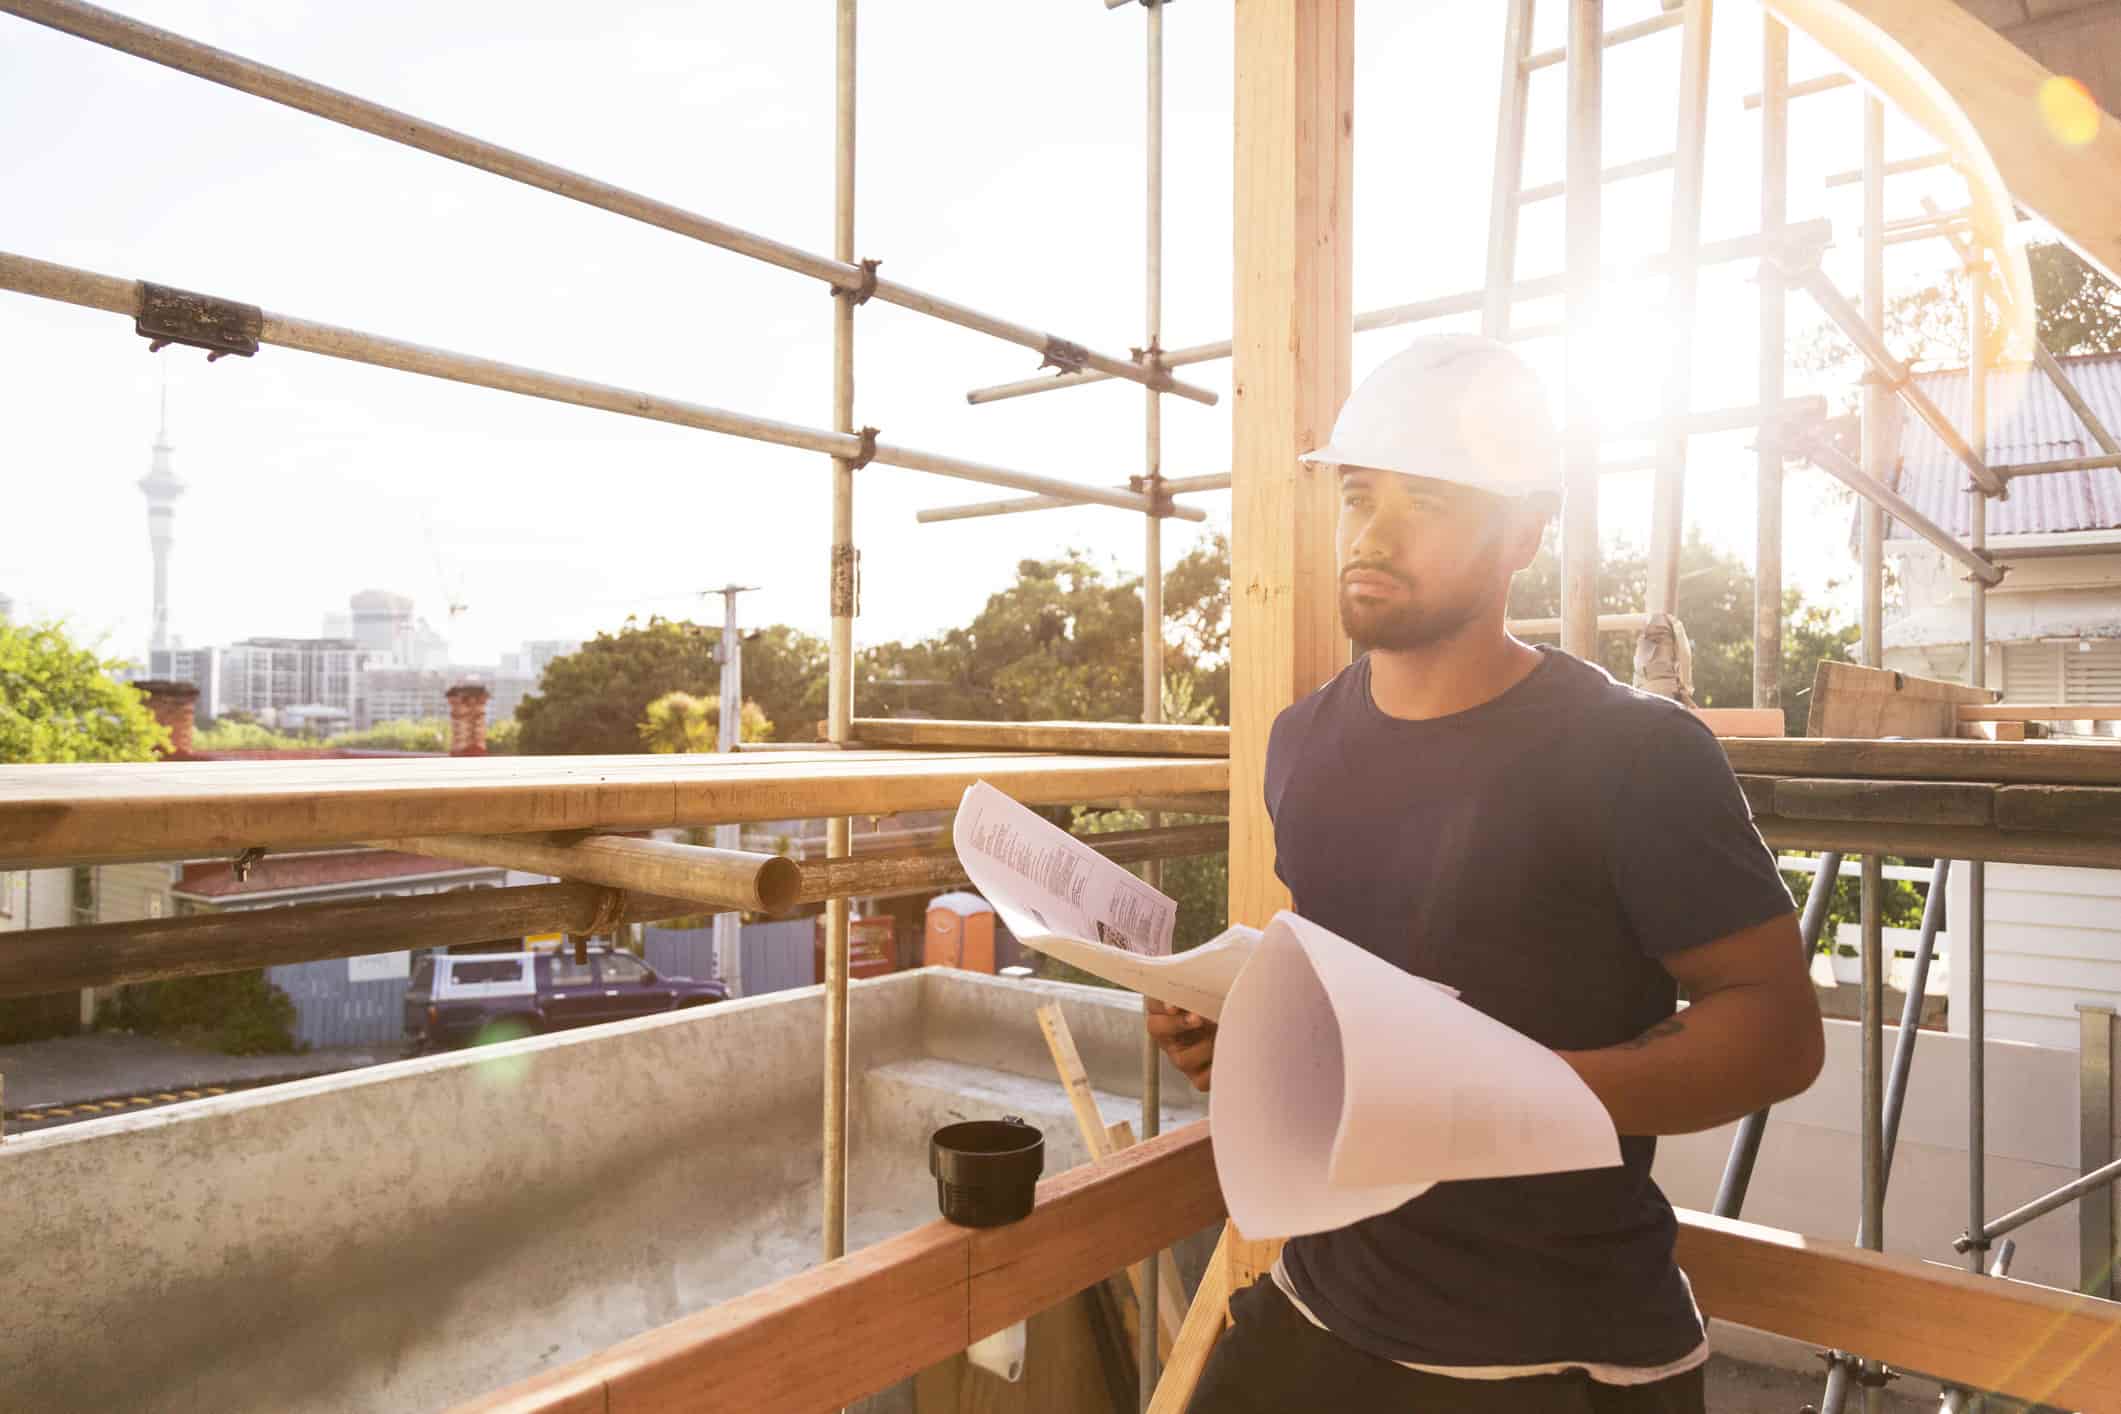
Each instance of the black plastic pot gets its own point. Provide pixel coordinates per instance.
(986, 1170)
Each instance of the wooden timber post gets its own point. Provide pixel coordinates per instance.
(1294, 132)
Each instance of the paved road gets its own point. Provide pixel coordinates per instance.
(71, 1078)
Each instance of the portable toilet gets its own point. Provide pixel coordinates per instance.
(960, 933)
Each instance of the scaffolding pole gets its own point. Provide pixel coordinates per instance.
(1774, 212)
(1798, 238)
(843, 272)
(1145, 1361)
(1976, 940)
(1579, 533)
(89, 290)
(844, 583)
(1668, 504)
(1503, 208)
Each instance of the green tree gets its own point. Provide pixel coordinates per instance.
(60, 702)
(1061, 643)
(232, 733)
(679, 722)
(591, 701)
(428, 734)
(784, 674)
(2079, 312)
(1715, 604)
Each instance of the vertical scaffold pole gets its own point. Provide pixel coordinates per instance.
(1878, 455)
(840, 664)
(1668, 506)
(1774, 215)
(1974, 934)
(1152, 603)
(1509, 171)
(1579, 522)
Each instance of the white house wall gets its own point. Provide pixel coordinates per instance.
(2054, 940)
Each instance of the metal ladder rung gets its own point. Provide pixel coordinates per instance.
(1641, 167)
(1656, 24)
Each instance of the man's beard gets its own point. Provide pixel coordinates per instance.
(1406, 624)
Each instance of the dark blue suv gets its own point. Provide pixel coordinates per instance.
(470, 998)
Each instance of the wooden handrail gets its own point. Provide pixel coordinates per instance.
(830, 1335)
(1121, 738)
(825, 1337)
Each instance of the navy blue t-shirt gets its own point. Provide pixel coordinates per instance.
(1539, 852)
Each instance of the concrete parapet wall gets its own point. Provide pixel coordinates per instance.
(409, 1235)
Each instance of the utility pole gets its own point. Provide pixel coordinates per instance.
(728, 927)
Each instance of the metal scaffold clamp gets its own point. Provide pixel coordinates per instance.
(1065, 356)
(867, 454)
(866, 287)
(170, 316)
(241, 865)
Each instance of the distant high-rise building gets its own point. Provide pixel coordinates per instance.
(383, 623)
(162, 488)
(7, 609)
(201, 667)
(263, 675)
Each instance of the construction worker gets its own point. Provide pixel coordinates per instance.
(1566, 851)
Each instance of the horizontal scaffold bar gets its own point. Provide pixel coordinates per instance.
(89, 290)
(1801, 235)
(895, 1308)
(885, 873)
(1120, 738)
(175, 51)
(45, 960)
(1842, 467)
(1170, 486)
(726, 879)
(205, 809)
(2055, 468)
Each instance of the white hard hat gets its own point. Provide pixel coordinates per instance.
(1451, 407)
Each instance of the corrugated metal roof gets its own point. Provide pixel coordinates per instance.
(2028, 422)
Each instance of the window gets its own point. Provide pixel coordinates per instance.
(624, 968)
(473, 970)
(566, 972)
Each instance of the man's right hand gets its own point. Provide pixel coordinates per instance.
(1188, 1039)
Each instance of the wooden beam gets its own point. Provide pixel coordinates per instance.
(725, 879)
(825, 1337)
(2058, 763)
(1102, 1144)
(1206, 1319)
(898, 871)
(2040, 712)
(200, 809)
(2074, 185)
(1293, 117)
(1853, 701)
(1744, 721)
(1989, 1333)
(1900, 802)
(1085, 738)
(2072, 810)
(899, 1306)
(157, 949)
(1942, 842)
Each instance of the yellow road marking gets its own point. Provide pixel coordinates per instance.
(189, 1094)
(139, 1100)
(165, 1095)
(217, 1089)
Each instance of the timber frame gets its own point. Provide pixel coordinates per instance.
(890, 1309)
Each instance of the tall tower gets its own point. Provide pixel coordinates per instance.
(162, 489)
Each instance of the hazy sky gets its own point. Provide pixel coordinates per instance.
(1000, 164)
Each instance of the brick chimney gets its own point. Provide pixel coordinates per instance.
(173, 704)
(467, 719)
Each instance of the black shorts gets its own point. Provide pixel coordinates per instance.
(1274, 1359)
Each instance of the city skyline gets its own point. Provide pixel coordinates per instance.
(306, 476)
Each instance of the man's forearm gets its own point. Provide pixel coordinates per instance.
(1725, 1056)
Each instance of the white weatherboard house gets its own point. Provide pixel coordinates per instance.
(2054, 635)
